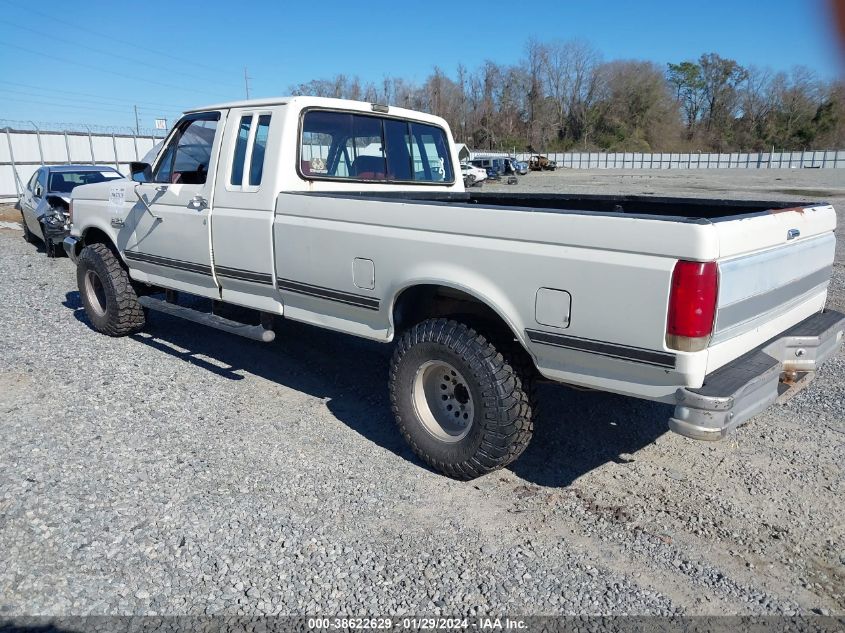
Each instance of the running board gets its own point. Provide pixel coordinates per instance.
(254, 332)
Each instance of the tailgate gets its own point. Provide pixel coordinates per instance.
(770, 264)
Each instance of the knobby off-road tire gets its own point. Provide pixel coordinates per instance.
(107, 294)
(464, 406)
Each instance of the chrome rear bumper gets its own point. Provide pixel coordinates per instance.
(734, 393)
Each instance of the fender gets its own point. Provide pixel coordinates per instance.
(483, 289)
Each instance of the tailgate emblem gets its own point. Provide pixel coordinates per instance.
(791, 234)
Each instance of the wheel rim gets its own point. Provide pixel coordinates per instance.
(443, 401)
(95, 292)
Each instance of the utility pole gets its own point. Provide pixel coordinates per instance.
(246, 82)
(137, 126)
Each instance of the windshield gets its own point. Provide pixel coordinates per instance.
(65, 181)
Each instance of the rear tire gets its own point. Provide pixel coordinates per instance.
(463, 407)
(108, 296)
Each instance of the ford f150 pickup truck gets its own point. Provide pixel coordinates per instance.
(353, 216)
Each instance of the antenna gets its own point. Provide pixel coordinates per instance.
(246, 82)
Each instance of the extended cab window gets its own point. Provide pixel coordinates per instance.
(252, 139)
(259, 148)
(344, 145)
(188, 154)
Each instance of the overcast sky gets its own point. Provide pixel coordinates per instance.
(91, 62)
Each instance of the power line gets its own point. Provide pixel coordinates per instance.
(111, 37)
(99, 98)
(62, 99)
(133, 60)
(103, 70)
(75, 106)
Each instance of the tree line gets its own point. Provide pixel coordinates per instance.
(563, 96)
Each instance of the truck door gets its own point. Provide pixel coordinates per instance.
(244, 208)
(172, 240)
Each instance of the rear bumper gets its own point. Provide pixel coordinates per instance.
(734, 393)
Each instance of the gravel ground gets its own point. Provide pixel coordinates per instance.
(187, 471)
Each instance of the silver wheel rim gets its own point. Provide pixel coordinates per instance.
(443, 401)
(95, 292)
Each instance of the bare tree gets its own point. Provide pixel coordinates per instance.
(560, 95)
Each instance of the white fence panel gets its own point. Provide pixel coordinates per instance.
(80, 148)
(26, 148)
(23, 151)
(53, 145)
(126, 151)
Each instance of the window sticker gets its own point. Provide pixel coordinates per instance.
(117, 196)
(318, 165)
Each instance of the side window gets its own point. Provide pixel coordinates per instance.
(250, 149)
(31, 184)
(188, 155)
(238, 160)
(259, 148)
(40, 183)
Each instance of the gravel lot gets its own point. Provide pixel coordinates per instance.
(184, 470)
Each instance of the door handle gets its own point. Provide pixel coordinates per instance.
(198, 202)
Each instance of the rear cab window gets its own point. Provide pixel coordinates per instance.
(368, 148)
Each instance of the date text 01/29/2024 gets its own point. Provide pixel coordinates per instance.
(417, 623)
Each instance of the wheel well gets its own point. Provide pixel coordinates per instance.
(98, 236)
(427, 301)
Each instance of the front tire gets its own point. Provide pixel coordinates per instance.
(463, 406)
(108, 296)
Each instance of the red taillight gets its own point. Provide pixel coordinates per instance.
(692, 305)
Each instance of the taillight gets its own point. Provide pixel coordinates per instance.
(70, 212)
(692, 305)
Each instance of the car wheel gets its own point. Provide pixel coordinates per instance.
(27, 234)
(464, 406)
(110, 301)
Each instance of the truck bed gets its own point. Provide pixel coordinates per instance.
(677, 209)
(698, 208)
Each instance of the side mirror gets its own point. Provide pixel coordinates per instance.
(140, 172)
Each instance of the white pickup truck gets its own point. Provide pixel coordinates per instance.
(353, 216)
